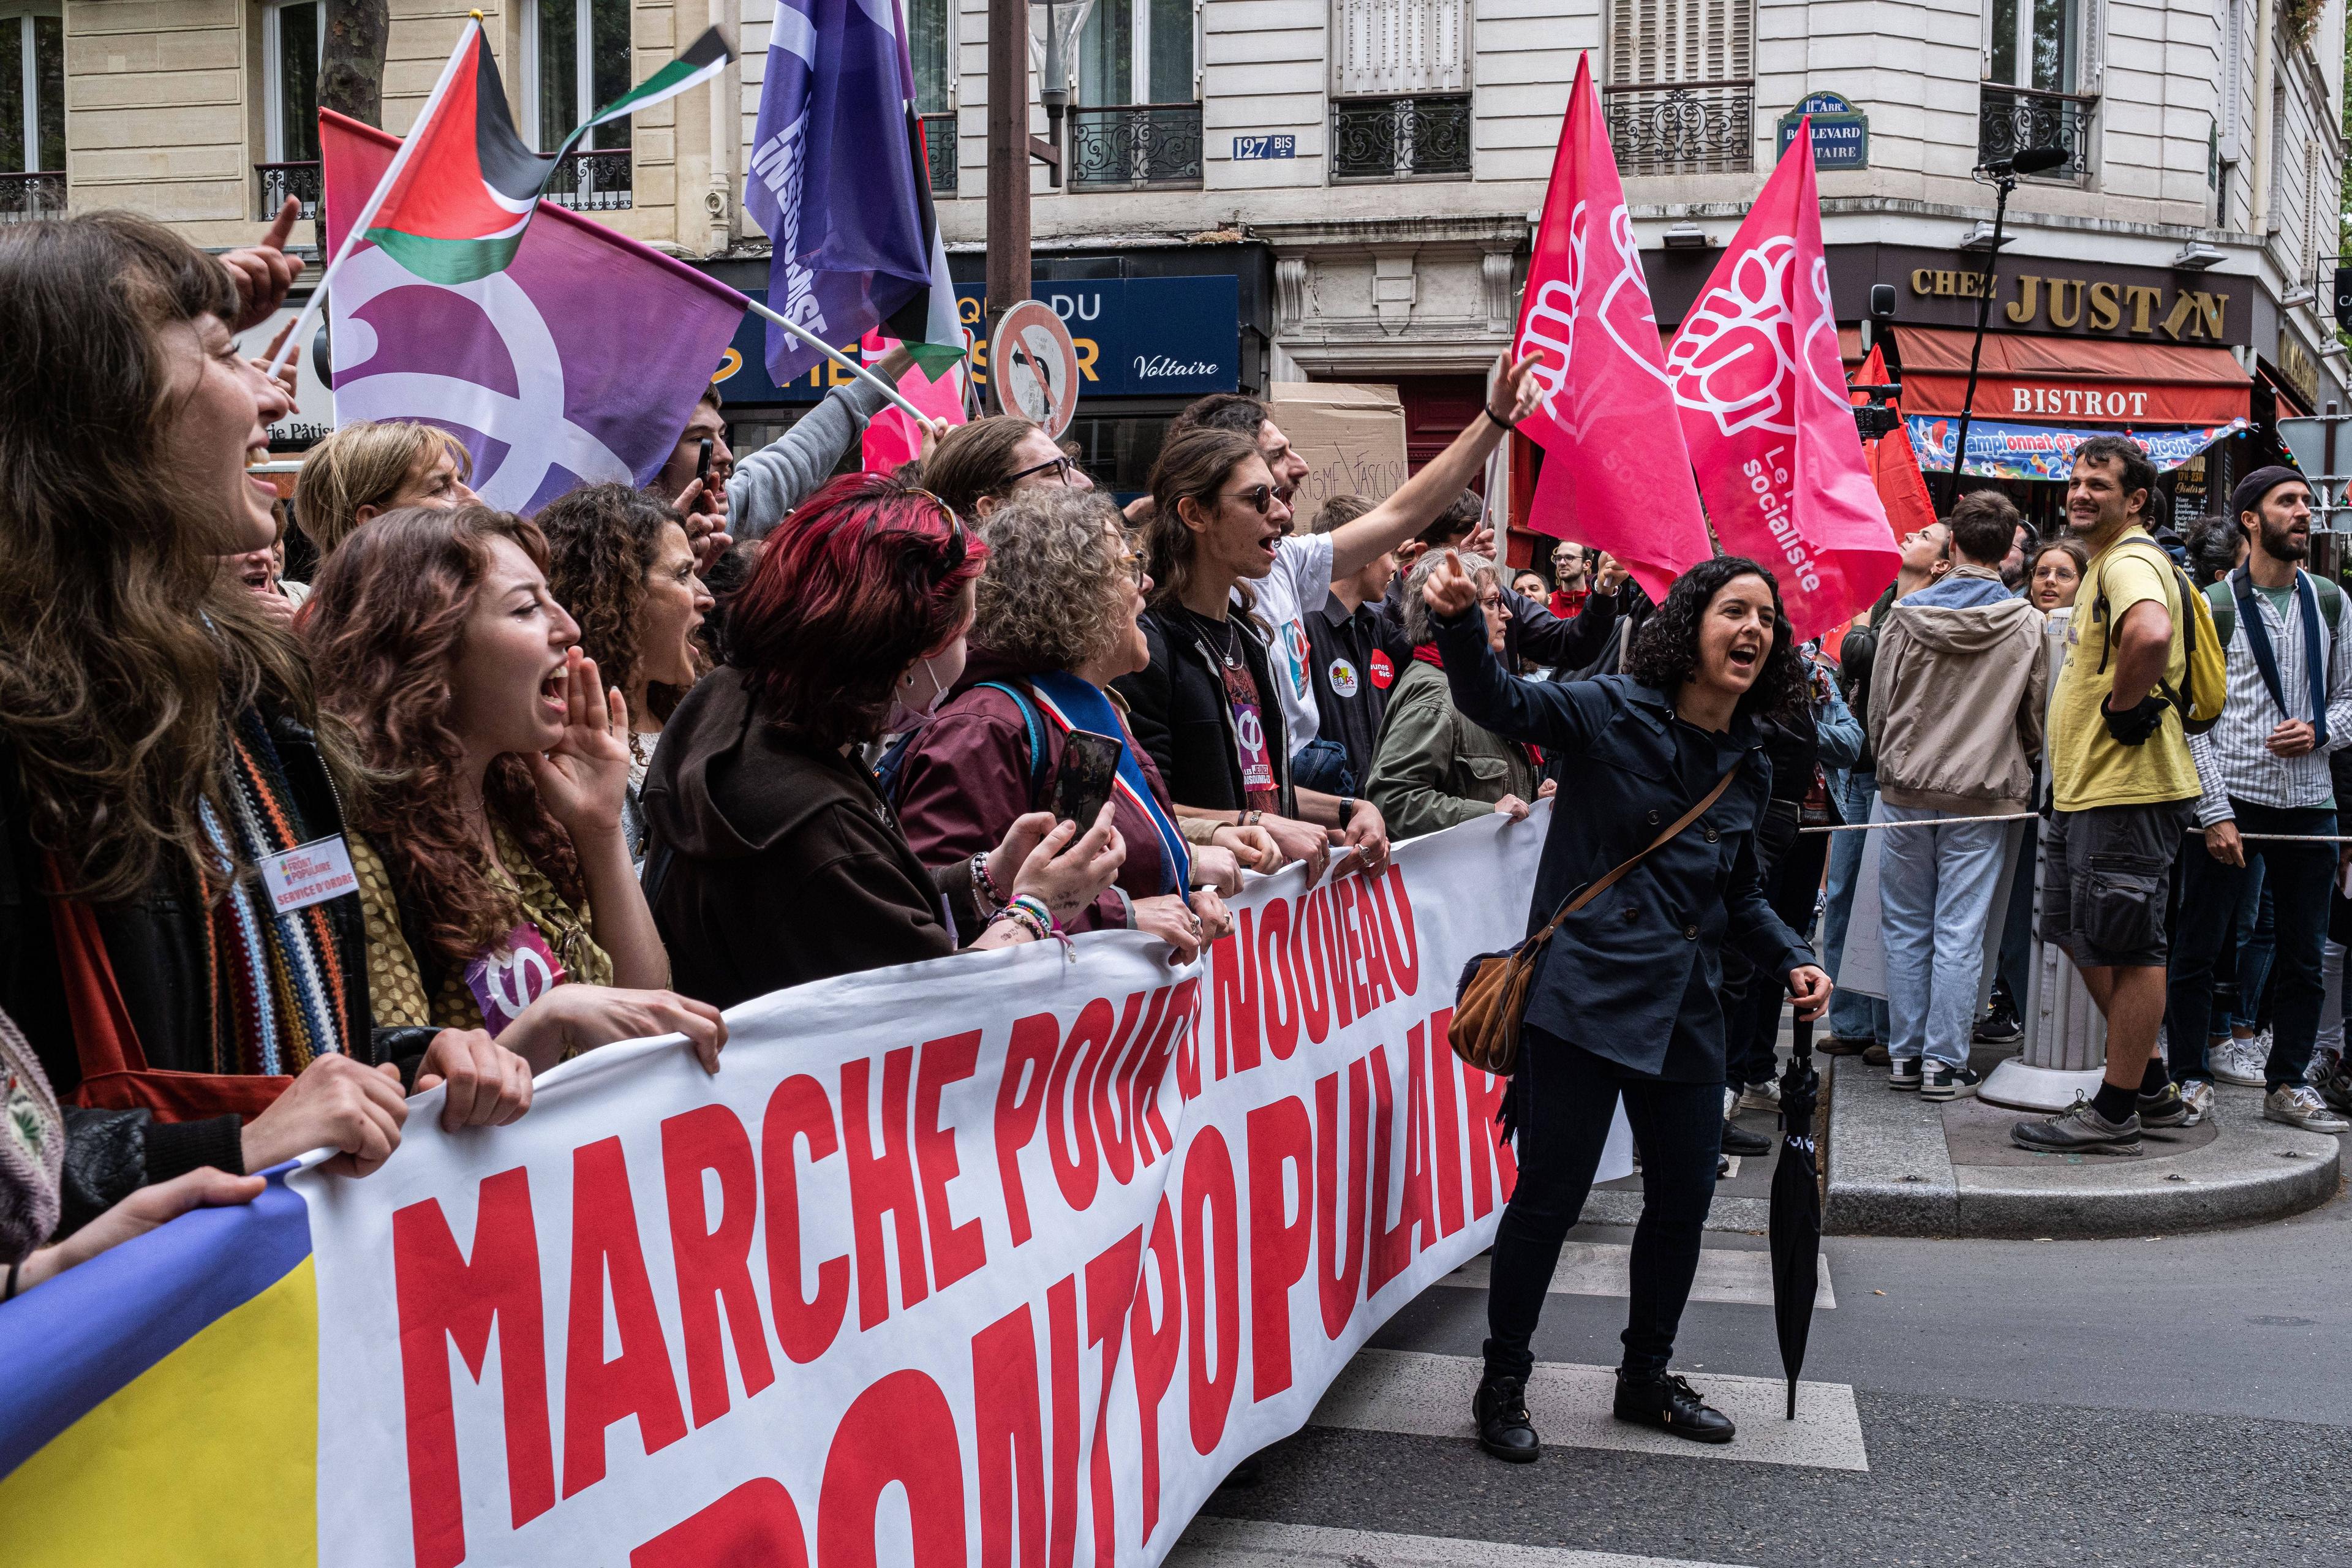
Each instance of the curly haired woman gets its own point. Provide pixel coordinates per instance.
(1623, 1001)
(619, 560)
(493, 870)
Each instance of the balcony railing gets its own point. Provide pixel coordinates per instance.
(1401, 138)
(1682, 127)
(24, 197)
(1135, 147)
(599, 181)
(279, 181)
(2010, 119)
(939, 148)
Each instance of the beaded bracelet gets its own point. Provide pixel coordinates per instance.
(983, 886)
(1026, 918)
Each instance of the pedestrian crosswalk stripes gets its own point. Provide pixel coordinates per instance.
(1423, 1395)
(1256, 1543)
(1600, 1268)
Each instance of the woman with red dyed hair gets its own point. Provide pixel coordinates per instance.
(773, 858)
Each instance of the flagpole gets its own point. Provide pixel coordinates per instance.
(922, 420)
(317, 300)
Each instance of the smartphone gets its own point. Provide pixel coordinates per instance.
(1082, 786)
(702, 474)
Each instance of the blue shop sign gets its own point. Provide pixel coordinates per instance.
(1135, 337)
(1841, 131)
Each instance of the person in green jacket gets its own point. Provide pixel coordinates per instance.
(1431, 767)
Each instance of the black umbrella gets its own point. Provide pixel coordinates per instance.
(1796, 1220)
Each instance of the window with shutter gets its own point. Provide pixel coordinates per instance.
(1681, 40)
(1681, 94)
(1398, 46)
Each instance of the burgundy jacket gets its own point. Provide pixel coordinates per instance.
(967, 776)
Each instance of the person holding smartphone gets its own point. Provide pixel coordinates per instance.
(1034, 725)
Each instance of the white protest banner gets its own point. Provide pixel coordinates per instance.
(1000, 1260)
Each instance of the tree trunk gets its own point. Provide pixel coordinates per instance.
(351, 77)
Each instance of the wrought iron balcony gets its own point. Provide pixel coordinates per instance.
(1135, 147)
(24, 197)
(279, 181)
(940, 147)
(1401, 138)
(1682, 127)
(598, 181)
(2009, 118)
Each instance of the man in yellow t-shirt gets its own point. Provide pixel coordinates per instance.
(2124, 789)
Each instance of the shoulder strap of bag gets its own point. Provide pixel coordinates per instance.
(1593, 891)
(1034, 725)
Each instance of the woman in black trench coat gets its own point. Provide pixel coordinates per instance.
(1624, 1001)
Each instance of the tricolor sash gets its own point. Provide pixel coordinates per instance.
(1074, 704)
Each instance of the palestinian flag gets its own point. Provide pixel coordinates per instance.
(454, 204)
(928, 324)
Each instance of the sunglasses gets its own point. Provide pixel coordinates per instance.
(1260, 496)
(1060, 467)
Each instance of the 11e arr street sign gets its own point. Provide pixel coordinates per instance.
(1841, 131)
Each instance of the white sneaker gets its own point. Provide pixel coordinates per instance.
(2198, 1096)
(1731, 1103)
(2242, 1062)
(1765, 1096)
(2299, 1105)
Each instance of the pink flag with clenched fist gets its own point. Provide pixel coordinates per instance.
(1615, 476)
(1766, 414)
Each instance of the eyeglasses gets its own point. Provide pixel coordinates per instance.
(1060, 466)
(1260, 496)
(1131, 564)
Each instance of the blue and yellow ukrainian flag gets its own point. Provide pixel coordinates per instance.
(160, 1403)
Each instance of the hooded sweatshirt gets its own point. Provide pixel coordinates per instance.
(774, 862)
(1956, 691)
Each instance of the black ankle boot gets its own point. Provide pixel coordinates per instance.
(1663, 1400)
(1500, 1408)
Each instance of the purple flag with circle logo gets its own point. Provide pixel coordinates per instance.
(579, 364)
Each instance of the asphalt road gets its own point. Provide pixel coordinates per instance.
(2183, 1399)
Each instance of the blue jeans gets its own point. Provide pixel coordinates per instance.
(1852, 1017)
(1935, 888)
(2244, 967)
(1322, 765)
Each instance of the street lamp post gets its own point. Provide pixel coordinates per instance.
(2002, 173)
(1010, 145)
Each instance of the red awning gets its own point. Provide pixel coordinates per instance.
(2071, 381)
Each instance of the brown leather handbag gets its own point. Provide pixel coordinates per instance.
(1485, 1031)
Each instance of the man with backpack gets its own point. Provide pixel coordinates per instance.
(2123, 786)
(2263, 767)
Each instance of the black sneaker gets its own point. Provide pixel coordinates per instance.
(2170, 1109)
(1903, 1073)
(2000, 1028)
(1738, 1140)
(1942, 1081)
(1667, 1401)
(1500, 1409)
(2079, 1129)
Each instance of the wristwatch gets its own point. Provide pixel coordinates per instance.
(1347, 809)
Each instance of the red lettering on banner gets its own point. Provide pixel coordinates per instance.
(805, 1326)
(1181, 1023)
(1118, 1152)
(1353, 939)
(1011, 1442)
(639, 1382)
(714, 1262)
(1235, 968)
(444, 1296)
(1383, 1265)
(1277, 984)
(1155, 1344)
(756, 1523)
(1393, 1250)
(881, 1184)
(1110, 1292)
(1278, 1135)
(1062, 1335)
(1331, 914)
(1397, 932)
(1368, 921)
(1338, 1286)
(899, 1430)
(1209, 1186)
(1310, 952)
(1020, 1096)
(1128, 1090)
(1069, 1129)
(1492, 1168)
(1446, 1081)
(956, 1249)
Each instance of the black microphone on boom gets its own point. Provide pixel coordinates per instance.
(2025, 160)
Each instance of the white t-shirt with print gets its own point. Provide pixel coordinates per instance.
(1301, 577)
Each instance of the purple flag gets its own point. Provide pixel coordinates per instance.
(580, 362)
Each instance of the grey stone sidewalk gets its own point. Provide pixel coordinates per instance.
(1901, 1166)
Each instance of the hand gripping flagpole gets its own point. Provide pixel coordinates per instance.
(922, 420)
(317, 300)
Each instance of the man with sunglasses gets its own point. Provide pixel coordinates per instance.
(1304, 568)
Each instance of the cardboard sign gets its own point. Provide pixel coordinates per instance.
(1352, 437)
